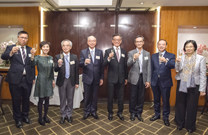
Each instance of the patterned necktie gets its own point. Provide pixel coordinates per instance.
(159, 58)
(92, 54)
(23, 54)
(67, 66)
(117, 54)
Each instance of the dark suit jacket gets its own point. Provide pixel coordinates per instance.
(74, 70)
(15, 72)
(117, 71)
(93, 71)
(163, 70)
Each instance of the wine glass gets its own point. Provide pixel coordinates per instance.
(113, 53)
(180, 53)
(89, 56)
(17, 45)
(35, 47)
(61, 55)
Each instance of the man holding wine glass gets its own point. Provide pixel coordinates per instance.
(91, 60)
(161, 80)
(20, 77)
(117, 74)
(139, 77)
(66, 64)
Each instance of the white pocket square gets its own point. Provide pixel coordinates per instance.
(146, 58)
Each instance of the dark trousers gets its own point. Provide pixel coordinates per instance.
(186, 107)
(120, 92)
(20, 93)
(90, 98)
(136, 100)
(159, 91)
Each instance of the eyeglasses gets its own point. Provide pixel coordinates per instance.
(25, 38)
(139, 42)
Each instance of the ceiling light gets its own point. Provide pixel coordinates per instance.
(194, 27)
(141, 2)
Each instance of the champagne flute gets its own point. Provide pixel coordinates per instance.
(113, 53)
(17, 45)
(61, 55)
(35, 47)
(89, 56)
(180, 53)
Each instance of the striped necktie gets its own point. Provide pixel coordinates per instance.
(23, 54)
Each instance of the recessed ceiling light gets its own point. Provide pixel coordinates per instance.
(194, 27)
(141, 2)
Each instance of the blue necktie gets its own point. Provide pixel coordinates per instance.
(92, 54)
(67, 68)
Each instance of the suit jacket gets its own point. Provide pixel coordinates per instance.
(117, 71)
(93, 71)
(134, 72)
(163, 70)
(17, 67)
(200, 71)
(74, 70)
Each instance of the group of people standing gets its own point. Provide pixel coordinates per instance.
(145, 71)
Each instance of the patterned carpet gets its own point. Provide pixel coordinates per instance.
(91, 126)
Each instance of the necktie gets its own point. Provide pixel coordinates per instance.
(92, 54)
(67, 66)
(159, 57)
(23, 54)
(117, 54)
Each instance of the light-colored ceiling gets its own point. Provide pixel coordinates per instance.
(101, 5)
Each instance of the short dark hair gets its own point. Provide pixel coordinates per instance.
(117, 35)
(139, 36)
(22, 32)
(163, 40)
(190, 41)
(44, 43)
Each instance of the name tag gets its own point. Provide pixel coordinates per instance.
(29, 55)
(123, 55)
(72, 62)
(97, 57)
(145, 58)
(51, 61)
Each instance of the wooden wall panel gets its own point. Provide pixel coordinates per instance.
(61, 26)
(29, 17)
(171, 18)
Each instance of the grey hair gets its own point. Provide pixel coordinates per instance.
(70, 43)
(91, 36)
(139, 36)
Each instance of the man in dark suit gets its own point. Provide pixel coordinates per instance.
(161, 80)
(117, 74)
(139, 77)
(66, 65)
(91, 59)
(20, 77)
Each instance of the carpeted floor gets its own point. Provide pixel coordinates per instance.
(91, 126)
